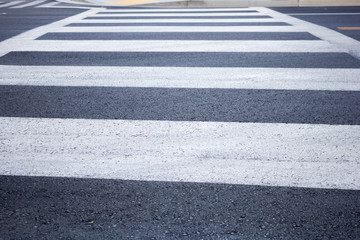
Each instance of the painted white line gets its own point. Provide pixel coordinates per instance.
(351, 45)
(48, 5)
(180, 15)
(180, 29)
(295, 155)
(174, 46)
(320, 14)
(165, 10)
(29, 4)
(184, 20)
(10, 4)
(33, 34)
(168, 77)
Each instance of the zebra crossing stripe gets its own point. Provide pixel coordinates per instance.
(166, 14)
(10, 4)
(48, 5)
(178, 29)
(179, 10)
(296, 155)
(165, 77)
(176, 46)
(240, 20)
(30, 4)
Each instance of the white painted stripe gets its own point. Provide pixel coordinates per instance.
(184, 20)
(180, 15)
(333, 37)
(321, 14)
(60, 5)
(48, 5)
(296, 155)
(29, 4)
(10, 4)
(180, 29)
(168, 77)
(167, 10)
(174, 46)
(39, 31)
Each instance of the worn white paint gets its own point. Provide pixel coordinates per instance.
(175, 46)
(170, 10)
(180, 77)
(29, 4)
(179, 29)
(8, 4)
(301, 155)
(181, 20)
(170, 14)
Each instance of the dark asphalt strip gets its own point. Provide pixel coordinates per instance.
(177, 24)
(180, 17)
(289, 10)
(69, 208)
(178, 36)
(183, 59)
(216, 105)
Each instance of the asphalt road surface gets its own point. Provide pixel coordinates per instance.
(179, 123)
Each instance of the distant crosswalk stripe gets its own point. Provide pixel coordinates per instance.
(48, 5)
(176, 15)
(234, 78)
(182, 11)
(164, 24)
(249, 20)
(10, 4)
(296, 155)
(178, 29)
(176, 20)
(30, 4)
(180, 46)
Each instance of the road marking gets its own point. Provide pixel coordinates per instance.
(30, 4)
(106, 14)
(35, 33)
(296, 155)
(185, 10)
(168, 77)
(184, 20)
(349, 28)
(174, 46)
(333, 37)
(179, 29)
(10, 4)
(48, 5)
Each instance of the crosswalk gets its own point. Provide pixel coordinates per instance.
(20, 4)
(240, 96)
